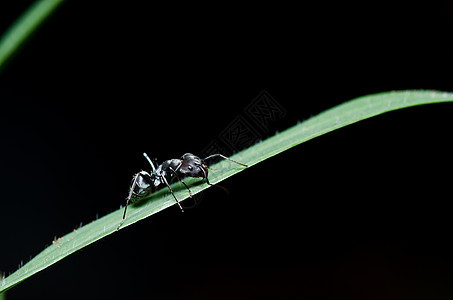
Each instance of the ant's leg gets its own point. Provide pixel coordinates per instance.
(128, 199)
(223, 156)
(124, 215)
(179, 179)
(205, 176)
(171, 191)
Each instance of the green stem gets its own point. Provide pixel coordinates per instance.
(337, 117)
(24, 26)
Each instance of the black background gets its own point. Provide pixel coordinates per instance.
(360, 213)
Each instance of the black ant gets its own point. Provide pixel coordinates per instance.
(189, 165)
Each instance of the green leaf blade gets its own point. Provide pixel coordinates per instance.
(24, 27)
(332, 119)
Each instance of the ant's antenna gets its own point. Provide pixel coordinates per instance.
(149, 160)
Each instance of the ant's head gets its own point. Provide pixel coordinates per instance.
(193, 166)
(141, 184)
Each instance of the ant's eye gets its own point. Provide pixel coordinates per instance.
(190, 168)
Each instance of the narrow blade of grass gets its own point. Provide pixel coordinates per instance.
(334, 118)
(24, 26)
